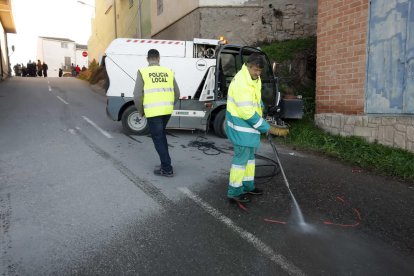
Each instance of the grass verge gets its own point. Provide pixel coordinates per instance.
(353, 150)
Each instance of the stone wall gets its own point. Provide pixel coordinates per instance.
(394, 131)
(237, 25)
(247, 24)
(187, 28)
(288, 19)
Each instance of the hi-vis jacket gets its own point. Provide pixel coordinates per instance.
(244, 110)
(158, 90)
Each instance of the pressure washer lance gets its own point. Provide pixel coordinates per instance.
(299, 215)
(269, 137)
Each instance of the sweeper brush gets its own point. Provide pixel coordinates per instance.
(278, 130)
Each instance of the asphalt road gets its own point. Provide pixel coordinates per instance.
(78, 197)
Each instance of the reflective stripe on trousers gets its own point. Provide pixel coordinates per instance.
(240, 174)
(242, 171)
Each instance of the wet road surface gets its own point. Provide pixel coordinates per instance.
(78, 197)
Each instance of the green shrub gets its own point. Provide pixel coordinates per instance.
(281, 51)
(353, 150)
(296, 68)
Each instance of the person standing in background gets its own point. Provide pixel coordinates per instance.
(44, 67)
(39, 68)
(77, 69)
(72, 68)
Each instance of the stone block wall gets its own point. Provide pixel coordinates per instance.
(247, 24)
(187, 28)
(394, 131)
(288, 19)
(237, 25)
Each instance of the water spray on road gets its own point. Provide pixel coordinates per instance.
(298, 216)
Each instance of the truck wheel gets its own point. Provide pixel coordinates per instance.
(133, 123)
(220, 124)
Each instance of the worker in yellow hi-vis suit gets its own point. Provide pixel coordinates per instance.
(244, 125)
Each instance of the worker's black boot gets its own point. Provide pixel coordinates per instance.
(161, 172)
(243, 198)
(255, 191)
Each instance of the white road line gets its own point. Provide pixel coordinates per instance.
(249, 237)
(50, 88)
(106, 134)
(63, 101)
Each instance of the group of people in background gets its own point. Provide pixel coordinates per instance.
(32, 69)
(75, 70)
(39, 69)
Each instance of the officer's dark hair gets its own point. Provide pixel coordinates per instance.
(256, 60)
(153, 53)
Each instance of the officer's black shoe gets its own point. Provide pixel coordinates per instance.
(255, 191)
(243, 198)
(161, 172)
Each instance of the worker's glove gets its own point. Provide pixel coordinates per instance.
(273, 110)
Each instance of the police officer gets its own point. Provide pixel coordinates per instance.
(155, 93)
(244, 125)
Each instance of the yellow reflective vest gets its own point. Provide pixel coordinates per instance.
(158, 90)
(244, 110)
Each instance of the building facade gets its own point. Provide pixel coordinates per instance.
(365, 70)
(239, 21)
(6, 26)
(60, 53)
(115, 19)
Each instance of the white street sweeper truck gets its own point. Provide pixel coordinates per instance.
(203, 70)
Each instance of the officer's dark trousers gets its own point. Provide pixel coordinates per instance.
(156, 127)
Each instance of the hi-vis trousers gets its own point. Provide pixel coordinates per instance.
(242, 171)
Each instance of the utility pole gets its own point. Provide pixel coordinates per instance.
(139, 20)
(116, 28)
